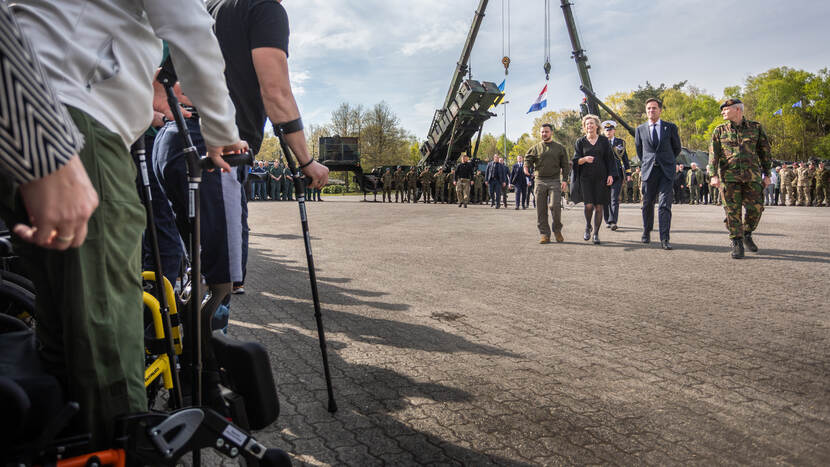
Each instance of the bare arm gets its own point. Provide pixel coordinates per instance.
(271, 66)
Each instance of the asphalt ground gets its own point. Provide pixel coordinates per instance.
(455, 338)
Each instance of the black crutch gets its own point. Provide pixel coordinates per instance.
(195, 165)
(140, 153)
(300, 190)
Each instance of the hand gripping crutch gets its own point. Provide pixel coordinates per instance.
(300, 191)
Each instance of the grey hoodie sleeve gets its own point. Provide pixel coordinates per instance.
(187, 28)
(39, 137)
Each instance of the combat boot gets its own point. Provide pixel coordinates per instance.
(750, 245)
(737, 248)
(544, 239)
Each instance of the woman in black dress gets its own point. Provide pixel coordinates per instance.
(592, 164)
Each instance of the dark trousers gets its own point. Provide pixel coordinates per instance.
(776, 194)
(657, 188)
(611, 211)
(521, 196)
(495, 192)
(165, 221)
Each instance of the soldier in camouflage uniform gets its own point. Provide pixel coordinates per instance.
(440, 183)
(636, 185)
(412, 185)
(451, 195)
(787, 176)
(478, 187)
(694, 185)
(803, 182)
(811, 183)
(398, 180)
(739, 159)
(426, 185)
(386, 180)
(822, 185)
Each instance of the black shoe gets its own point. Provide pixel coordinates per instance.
(497, 206)
(465, 205)
(664, 244)
(607, 226)
(646, 238)
(460, 204)
(596, 239)
(614, 226)
(587, 235)
(750, 245)
(517, 208)
(737, 248)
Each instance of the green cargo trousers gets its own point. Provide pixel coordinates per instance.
(89, 309)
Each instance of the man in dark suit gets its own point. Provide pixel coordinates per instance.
(518, 180)
(494, 180)
(658, 145)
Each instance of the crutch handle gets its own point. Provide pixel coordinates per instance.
(233, 160)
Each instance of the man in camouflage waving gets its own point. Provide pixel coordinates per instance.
(739, 154)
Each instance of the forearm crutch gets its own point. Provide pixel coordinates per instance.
(300, 191)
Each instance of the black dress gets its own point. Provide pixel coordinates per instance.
(593, 175)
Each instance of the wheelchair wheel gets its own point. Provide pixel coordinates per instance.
(17, 301)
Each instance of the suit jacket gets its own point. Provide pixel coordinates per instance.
(496, 173)
(664, 155)
(517, 176)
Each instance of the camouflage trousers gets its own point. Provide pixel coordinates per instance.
(694, 194)
(746, 199)
(715, 194)
(400, 191)
(788, 194)
(426, 190)
(412, 194)
(822, 194)
(462, 188)
(478, 192)
(635, 193)
(803, 195)
(387, 192)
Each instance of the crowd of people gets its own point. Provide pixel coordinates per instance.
(272, 181)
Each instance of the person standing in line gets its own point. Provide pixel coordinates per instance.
(658, 145)
(494, 181)
(694, 180)
(386, 180)
(549, 164)
(739, 158)
(621, 173)
(777, 192)
(506, 177)
(426, 184)
(412, 185)
(635, 185)
(822, 185)
(518, 180)
(478, 188)
(399, 179)
(593, 168)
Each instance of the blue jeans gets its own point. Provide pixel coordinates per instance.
(220, 214)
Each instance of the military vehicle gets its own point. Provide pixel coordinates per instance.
(342, 154)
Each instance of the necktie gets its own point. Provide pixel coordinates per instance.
(654, 138)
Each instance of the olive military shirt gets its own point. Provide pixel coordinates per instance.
(548, 159)
(739, 153)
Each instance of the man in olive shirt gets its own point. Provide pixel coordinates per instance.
(551, 165)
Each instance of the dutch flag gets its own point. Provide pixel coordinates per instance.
(541, 101)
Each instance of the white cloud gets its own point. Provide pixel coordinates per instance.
(437, 39)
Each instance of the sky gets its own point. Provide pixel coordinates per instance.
(405, 52)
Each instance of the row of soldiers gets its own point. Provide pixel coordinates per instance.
(803, 184)
(436, 187)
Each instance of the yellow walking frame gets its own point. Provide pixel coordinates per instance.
(161, 365)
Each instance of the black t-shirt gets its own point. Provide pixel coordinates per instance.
(241, 26)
